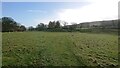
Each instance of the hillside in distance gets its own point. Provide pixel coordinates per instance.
(112, 24)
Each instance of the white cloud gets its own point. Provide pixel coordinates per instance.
(97, 10)
(40, 11)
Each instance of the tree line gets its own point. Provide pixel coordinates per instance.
(43, 27)
(10, 25)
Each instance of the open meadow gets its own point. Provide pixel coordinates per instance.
(59, 49)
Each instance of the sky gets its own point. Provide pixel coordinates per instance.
(33, 13)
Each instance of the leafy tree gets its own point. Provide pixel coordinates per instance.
(57, 24)
(31, 28)
(8, 24)
(40, 27)
(22, 28)
(51, 24)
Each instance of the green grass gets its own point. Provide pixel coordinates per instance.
(59, 49)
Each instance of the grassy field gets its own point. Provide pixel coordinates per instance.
(59, 49)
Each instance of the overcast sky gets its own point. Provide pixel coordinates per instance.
(32, 13)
